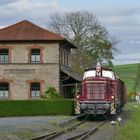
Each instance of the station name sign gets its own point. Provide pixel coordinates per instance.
(19, 71)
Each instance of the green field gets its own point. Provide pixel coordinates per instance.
(130, 131)
(128, 74)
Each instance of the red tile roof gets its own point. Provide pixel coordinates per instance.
(27, 31)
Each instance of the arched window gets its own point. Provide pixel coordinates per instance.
(4, 55)
(35, 56)
(35, 90)
(4, 90)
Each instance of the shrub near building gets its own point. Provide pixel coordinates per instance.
(51, 93)
(37, 107)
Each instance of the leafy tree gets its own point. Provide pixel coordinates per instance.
(94, 42)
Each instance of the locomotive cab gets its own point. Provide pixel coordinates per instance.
(100, 92)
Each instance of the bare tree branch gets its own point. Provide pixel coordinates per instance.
(93, 40)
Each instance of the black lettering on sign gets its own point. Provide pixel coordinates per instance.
(19, 71)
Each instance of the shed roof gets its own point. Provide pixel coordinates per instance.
(71, 73)
(28, 31)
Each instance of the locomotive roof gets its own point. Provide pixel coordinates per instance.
(103, 68)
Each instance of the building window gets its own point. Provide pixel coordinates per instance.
(64, 58)
(4, 90)
(35, 90)
(4, 55)
(35, 56)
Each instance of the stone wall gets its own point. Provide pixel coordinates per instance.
(20, 73)
(19, 53)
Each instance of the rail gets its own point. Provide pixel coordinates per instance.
(57, 133)
(80, 136)
(86, 134)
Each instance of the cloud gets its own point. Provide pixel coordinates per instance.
(119, 16)
(2, 27)
(121, 22)
(7, 2)
(127, 58)
(126, 32)
(135, 41)
(124, 23)
(36, 11)
(117, 11)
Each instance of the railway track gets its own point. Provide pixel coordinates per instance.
(57, 133)
(86, 134)
(62, 134)
(90, 127)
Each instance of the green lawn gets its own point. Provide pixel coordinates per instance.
(128, 74)
(131, 131)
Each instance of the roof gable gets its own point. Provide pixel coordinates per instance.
(27, 31)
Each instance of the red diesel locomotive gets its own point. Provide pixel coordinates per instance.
(103, 93)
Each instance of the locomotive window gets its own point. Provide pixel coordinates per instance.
(108, 74)
(90, 73)
(105, 73)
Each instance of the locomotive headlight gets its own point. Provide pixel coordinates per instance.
(112, 97)
(77, 97)
(83, 106)
(98, 70)
(107, 106)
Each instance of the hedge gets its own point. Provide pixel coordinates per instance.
(36, 107)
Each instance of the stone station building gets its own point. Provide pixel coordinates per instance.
(32, 59)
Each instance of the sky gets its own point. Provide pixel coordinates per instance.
(120, 17)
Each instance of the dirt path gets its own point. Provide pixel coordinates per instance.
(24, 128)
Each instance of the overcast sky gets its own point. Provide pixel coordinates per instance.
(121, 18)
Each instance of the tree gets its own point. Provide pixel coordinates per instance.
(93, 40)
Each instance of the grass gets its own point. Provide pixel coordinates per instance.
(24, 135)
(131, 130)
(36, 107)
(128, 74)
(20, 134)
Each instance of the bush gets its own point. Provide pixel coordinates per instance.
(51, 93)
(36, 107)
(131, 96)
